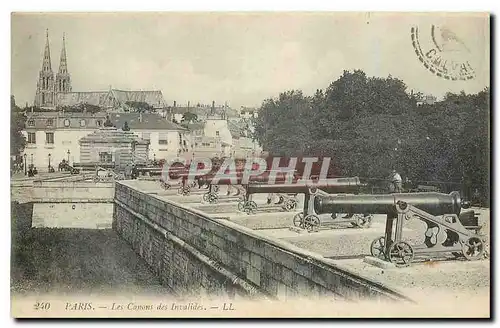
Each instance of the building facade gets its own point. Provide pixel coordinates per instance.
(111, 145)
(54, 136)
(166, 139)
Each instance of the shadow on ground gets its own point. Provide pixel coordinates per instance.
(74, 260)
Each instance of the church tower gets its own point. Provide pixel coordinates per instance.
(63, 80)
(45, 87)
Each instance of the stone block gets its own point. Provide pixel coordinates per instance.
(287, 276)
(253, 275)
(379, 263)
(256, 261)
(245, 257)
(281, 291)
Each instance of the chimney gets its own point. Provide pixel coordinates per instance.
(213, 108)
(140, 117)
(175, 103)
(188, 104)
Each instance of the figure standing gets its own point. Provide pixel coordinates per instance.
(396, 181)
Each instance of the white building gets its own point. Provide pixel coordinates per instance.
(167, 140)
(248, 112)
(54, 136)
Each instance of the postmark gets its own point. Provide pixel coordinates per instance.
(442, 52)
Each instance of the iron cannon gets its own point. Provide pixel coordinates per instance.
(448, 228)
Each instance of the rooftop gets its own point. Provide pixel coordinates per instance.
(144, 121)
(113, 135)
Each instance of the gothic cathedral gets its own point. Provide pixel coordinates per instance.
(46, 88)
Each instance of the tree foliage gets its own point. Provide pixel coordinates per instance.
(370, 125)
(189, 117)
(17, 123)
(140, 106)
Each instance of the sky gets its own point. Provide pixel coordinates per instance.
(238, 58)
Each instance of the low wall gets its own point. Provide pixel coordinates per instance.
(72, 190)
(194, 254)
(72, 215)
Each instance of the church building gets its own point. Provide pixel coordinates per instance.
(54, 93)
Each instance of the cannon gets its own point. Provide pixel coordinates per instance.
(212, 195)
(308, 219)
(448, 229)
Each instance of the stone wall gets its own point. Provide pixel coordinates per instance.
(195, 254)
(75, 190)
(72, 215)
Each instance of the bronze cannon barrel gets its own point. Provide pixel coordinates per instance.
(431, 202)
(332, 185)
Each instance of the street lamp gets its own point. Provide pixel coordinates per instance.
(49, 161)
(68, 155)
(25, 165)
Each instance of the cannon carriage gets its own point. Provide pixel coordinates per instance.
(308, 219)
(448, 229)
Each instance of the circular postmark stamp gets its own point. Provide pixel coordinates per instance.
(442, 52)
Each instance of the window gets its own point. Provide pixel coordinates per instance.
(49, 138)
(217, 133)
(31, 138)
(99, 123)
(83, 123)
(105, 157)
(50, 122)
(31, 122)
(146, 135)
(163, 139)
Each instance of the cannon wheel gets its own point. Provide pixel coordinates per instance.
(241, 205)
(184, 191)
(363, 221)
(250, 207)
(298, 220)
(213, 198)
(473, 248)
(377, 248)
(290, 204)
(401, 254)
(311, 223)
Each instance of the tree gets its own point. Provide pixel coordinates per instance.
(140, 106)
(17, 124)
(283, 125)
(189, 117)
(370, 125)
(125, 126)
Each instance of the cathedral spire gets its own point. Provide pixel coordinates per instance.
(63, 65)
(63, 80)
(47, 65)
(44, 96)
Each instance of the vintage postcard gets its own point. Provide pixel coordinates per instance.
(250, 164)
